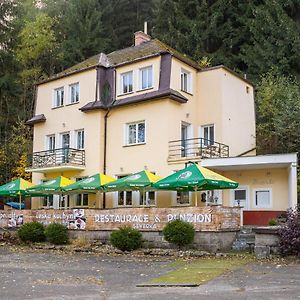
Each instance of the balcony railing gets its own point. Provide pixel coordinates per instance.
(197, 148)
(57, 157)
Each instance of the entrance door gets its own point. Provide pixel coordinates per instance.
(184, 138)
(65, 144)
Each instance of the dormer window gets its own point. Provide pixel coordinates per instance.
(146, 78)
(74, 93)
(58, 97)
(127, 82)
(186, 81)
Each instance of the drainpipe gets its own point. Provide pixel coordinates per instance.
(105, 134)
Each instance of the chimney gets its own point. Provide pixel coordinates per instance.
(141, 37)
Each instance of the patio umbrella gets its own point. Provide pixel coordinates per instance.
(90, 184)
(141, 181)
(53, 186)
(15, 188)
(195, 178)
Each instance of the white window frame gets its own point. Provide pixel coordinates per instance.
(77, 93)
(262, 190)
(122, 77)
(127, 126)
(50, 145)
(58, 93)
(77, 132)
(149, 78)
(240, 188)
(186, 81)
(207, 142)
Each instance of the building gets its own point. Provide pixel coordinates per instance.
(150, 107)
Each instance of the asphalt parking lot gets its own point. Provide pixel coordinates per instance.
(50, 275)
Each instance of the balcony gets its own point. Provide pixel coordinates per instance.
(63, 159)
(195, 149)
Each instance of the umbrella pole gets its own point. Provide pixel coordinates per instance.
(196, 198)
(20, 200)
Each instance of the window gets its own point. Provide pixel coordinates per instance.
(48, 201)
(80, 139)
(147, 198)
(183, 198)
(65, 201)
(59, 97)
(74, 93)
(262, 198)
(124, 197)
(126, 82)
(240, 197)
(186, 81)
(146, 80)
(81, 199)
(51, 142)
(208, 135)
(135, 133)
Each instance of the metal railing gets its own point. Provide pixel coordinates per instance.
(197, 147)
(57, 157)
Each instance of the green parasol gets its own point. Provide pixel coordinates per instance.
(15, 188)
(90, 184)
(142, 181)
(195, 178)
(54, 186)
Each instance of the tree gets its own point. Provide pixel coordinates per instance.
(38, 54)
(121, 18)
(14, 152)
(278, 111)
(80, 30)
(274, 39)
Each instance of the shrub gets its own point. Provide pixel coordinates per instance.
(57, 234)
(289, 234)
(179, 233)
(126, 239)
(272, 222)
(31, 232)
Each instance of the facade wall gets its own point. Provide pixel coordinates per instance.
(276, 180)
(238, 113)
(69, 118)
(209, 100)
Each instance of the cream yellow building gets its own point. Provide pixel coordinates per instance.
(151, 107)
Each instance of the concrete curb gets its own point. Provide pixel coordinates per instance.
(168, 285)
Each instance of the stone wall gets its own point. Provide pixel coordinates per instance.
(266, 241)
(209, 241)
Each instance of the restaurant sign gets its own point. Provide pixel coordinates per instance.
(209, 218)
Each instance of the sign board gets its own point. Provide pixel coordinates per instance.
(209, 218)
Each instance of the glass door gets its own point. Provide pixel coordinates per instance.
(65, 144)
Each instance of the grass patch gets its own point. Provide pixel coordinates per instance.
(200, 270)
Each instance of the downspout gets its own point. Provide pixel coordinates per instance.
(105, 134)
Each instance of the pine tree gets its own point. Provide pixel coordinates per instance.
(81, 34)
(274, 39)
